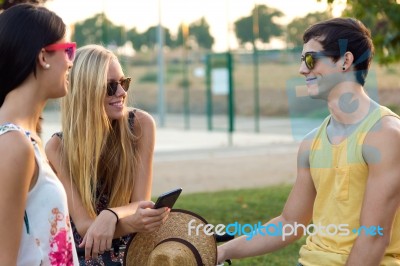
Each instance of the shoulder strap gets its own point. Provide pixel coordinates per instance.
(317, 138)
(12, 127)
(372, 119)
(9, 127)
(131, 118)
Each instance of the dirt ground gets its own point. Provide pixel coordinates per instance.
(233, 168)
(201, 161)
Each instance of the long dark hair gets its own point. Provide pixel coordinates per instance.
(24, 30)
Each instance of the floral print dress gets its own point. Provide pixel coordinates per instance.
(46, 234)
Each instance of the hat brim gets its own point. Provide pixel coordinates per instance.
(141, 244)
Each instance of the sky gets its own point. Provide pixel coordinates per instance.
(220, 14)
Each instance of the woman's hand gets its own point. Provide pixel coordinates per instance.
(99, 236)
(147, 219)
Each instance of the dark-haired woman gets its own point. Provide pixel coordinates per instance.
(35, 58)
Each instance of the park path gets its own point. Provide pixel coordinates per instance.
(202, 161)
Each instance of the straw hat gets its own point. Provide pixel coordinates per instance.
(171, 244)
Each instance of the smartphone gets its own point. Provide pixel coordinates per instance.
(168, 199)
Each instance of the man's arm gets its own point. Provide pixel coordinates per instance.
(381, 151)
(298, 208)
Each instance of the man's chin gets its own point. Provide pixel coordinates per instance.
(313, 93)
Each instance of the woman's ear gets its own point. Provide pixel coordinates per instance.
(348, 59)
(42, 60)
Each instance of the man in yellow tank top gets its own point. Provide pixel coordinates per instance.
(347, 193)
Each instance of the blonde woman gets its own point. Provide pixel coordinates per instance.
(103, 157)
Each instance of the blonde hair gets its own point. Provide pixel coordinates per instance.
(100, 154)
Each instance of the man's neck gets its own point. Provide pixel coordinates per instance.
(349, 105)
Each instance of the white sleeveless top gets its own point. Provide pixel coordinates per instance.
(46, 234)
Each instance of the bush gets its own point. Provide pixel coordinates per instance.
(149, 77)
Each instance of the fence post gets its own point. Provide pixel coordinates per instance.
(231, 98)
(208, 92)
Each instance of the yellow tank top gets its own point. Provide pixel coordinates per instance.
(340, 173)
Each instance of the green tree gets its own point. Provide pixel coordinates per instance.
(265, 28)
(98, 29)
(297, 26)
(200, 29)
(179, 38)
(4, 4)
(136, 38)
(150, 37)
(383, 19)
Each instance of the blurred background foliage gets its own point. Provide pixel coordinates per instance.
(255, 64)
(383, 19)
(381, 16)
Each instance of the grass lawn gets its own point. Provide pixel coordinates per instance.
(244, 206)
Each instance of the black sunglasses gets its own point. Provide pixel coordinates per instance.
(311, 58)
(112, 86)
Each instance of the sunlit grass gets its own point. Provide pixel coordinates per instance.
(244, 206)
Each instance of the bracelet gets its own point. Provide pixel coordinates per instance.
(116, 215)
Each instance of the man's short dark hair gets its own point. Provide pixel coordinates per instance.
(340, 35)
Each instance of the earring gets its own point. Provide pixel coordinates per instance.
(46, 66)
(343, 68)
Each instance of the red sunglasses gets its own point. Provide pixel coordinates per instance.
(69, 47)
